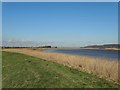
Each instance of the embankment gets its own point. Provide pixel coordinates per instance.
(99, 66)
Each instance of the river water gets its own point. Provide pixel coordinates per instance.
(89, 52)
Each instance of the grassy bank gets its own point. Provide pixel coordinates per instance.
(102, 67)
(0, 69)
(22, 71)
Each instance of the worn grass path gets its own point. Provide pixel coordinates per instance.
(22, 71)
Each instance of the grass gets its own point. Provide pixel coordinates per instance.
(22, 71)
(102, 67)
(0, 69)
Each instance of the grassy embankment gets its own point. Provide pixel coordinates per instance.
(102, 67)
(0, 68)
(22, 71)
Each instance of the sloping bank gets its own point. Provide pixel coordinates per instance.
(23, 71)
(107, 69)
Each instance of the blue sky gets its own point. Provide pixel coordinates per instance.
(62, 24)
(0, 23)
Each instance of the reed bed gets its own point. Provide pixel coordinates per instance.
(102, 67)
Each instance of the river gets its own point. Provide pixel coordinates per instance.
(89, 52)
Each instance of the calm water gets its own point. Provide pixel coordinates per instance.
(93, 53)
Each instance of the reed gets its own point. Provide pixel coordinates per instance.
(100, 66)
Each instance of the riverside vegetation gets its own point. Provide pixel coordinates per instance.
(23, 71)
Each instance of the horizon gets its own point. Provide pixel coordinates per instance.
(40, 44)
(64, 24)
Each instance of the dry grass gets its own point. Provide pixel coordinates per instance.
(116, 49)
(102, 67)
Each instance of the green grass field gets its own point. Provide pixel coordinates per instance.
(22, 71)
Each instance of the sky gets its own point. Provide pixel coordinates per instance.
(64, 24)
(0, 24)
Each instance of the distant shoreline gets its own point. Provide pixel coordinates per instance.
(115, 47)
(66, 48)
(109, 49)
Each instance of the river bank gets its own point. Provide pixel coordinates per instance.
(24, 71)
(102, 67)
